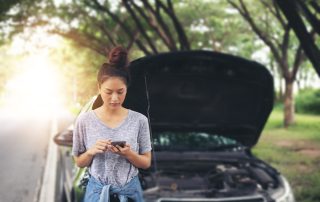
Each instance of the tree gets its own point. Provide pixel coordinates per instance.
(306, 77)
(280, 42)
(16, 15)
(212, 26)
(5, 7)
(293, 11)
(78, 71)
(151, 27)
(157, 26)
(98, 27)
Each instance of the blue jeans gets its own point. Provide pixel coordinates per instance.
(98, 192)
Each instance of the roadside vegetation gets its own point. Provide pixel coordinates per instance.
(295, 152)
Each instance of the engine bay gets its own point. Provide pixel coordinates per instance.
(211, 180)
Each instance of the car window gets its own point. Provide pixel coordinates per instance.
(191, 141)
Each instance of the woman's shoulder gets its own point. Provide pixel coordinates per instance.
(138, 115)
(85, 116)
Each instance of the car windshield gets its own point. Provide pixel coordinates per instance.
(191, 141)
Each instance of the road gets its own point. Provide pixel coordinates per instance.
(23, 149)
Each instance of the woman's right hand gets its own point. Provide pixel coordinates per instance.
(100, 147)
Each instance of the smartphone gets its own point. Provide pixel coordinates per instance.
(120, 143)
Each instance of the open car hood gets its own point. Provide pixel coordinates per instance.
(202, 91)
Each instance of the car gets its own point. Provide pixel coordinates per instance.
(207, 111)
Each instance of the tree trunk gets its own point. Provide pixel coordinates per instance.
(281, 94)
(288, 104)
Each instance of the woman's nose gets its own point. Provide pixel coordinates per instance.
(114, 97)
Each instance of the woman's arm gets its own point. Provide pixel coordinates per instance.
(85, 159)
(138, 160)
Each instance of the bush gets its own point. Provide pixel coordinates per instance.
(308, 101)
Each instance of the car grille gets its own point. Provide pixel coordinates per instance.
(214, 200)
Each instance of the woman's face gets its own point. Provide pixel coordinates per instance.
(113, 92)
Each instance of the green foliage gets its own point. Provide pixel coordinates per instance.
(276, 117)
(308, 101)
(79, 67)
(312, 194)
(5, 7)
(212, 25)
(294, 152)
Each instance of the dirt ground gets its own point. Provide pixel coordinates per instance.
(307, 148)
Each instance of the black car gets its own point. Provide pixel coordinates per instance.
(206, 111)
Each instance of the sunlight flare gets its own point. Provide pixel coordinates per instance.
(34, 91)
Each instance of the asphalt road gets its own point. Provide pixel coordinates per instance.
(23, 149)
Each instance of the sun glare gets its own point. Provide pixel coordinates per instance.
(34, 91)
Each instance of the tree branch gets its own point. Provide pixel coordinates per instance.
(157, 15)
(184, 43)
(170, 6)
(309, 47)
(131, 42)
(109, 35)
(298, 59)
(152, 23)
(245, 14)
(98, 24)
(315, 5)
(275, 12)
(278, 15)
(126, 29)
(140, 27)
(285, 43)
(83, 41)
(315, 23)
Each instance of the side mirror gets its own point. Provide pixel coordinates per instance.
(64, 138)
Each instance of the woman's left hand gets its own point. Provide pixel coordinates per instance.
(139, 160)
(123, 151)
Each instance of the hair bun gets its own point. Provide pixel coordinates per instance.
(118, 57)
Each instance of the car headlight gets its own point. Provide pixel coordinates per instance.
(285, 194)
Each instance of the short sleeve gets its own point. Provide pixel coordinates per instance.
(79, 134)
(144, 136)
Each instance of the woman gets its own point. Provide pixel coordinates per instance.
(113, 169)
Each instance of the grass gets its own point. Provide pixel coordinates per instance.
(295, 152)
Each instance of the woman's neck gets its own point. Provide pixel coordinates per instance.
(112, 112)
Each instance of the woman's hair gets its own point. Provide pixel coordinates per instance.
(117, 66)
